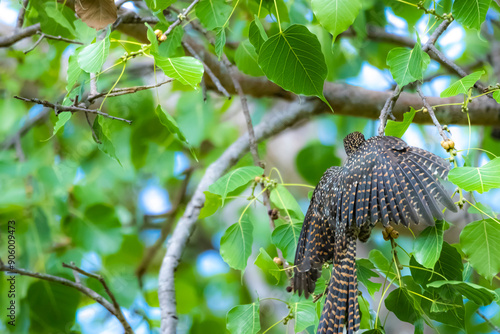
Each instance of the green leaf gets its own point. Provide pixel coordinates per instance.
(407, 65)
(244, 319)
(246, 59)
(382, 264)
(402, 304)
(470, 13)
(463, 85)
(74, 70)
(476, 293)
(336, 15)
(285, 237)
(282, 199)
(266, 263)
(364, 309)
(62, 118)
(172, 47)
(428, 245)
(449, 266)
(365, 272)
(313, 160)
(213, 13)
(481, 209)
(169, 122)
(234, 179)
(257, 35)
(93, 56)
(236, 243)
(398, 129)
(220, 42)
(480, 241)
(496, 96)
(56, 14)
(212, 203)
(45, 301)
(153, 39)
(305, 314)
(293, 60)
(480, 179)
(187, 70)
(104, 143)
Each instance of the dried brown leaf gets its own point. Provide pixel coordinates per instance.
(96, 14)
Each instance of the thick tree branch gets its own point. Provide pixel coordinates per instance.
(113, 309)
(272, 124)
(19, 35)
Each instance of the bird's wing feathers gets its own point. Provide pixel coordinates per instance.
(386, 180)
(316, 242)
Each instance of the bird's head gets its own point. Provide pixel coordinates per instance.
(353, 141)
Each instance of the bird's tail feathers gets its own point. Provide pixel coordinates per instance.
(341, 304)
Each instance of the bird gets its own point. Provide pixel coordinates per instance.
(382, 180)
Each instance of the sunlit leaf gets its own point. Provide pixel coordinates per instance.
(480, 241)
(158, 5)
(382, 264)
(187, 70)
(212, 203)
(496, 96)
(244, 319)
(282, 199)
(480, 179)
(398, 129)
(407, 65)
(266, 263)
(463, 85)
(234, 179)
(336, 15)
(213, 13)
(93, 56)
(470, 13)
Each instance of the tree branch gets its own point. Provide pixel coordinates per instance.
(113, 309)
(19, 35)
(495, 328)
(57, 38)
(430, 110)
(60, 108)
(20, 16)
(126, 90)
(180, 18)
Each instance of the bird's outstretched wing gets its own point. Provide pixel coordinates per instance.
(316, 240)
(386, 180)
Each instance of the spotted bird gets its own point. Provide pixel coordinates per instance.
(383, 180)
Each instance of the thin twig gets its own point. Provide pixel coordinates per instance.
(430, 110)
(180, 18)
(209, 72)
(166, 226)
(118, 310)
(126, 90)
(57, 38)
(60, 108)
(78, 286)
(495, 328)
(22, 13)
(391, 101)
(75, 274)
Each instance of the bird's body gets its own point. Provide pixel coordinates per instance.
(383, 180)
